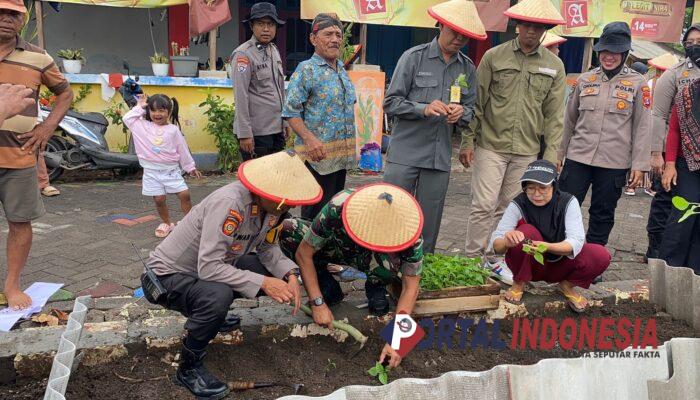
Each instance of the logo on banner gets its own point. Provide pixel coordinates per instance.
(403, 334)
(373, 6)
(576, 13)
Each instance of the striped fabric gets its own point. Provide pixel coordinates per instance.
(30, 66)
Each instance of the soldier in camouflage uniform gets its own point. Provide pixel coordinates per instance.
(376, 229)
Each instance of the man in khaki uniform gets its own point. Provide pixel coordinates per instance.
(258, 86)
(521, 87)
(206, 261)
(606, 132)
(665, 90)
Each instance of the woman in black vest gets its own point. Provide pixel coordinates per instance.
(546, 217)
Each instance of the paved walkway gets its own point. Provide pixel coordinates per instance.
(85, 238)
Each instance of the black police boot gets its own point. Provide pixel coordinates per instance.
(330, 288)
(231, 323)
(192, 375)
(376, 298)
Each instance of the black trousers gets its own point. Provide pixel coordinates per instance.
(265, 145)
(576, 178)
(331, 185)
(681, 243)
(658, 216)
(204, 303)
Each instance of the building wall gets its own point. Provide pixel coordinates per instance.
(110, 34)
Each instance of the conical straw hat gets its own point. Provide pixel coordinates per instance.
(281, 177)
(664, 61)
(539, 11)
(383, 217)
(551, 39)
(461, 16)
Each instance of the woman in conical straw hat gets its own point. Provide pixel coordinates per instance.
(376, 229)
(206, 261)
(521, 91)
(551, 42)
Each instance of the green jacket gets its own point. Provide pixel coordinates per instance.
(519, 97)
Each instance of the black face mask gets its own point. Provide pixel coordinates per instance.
(693, 52)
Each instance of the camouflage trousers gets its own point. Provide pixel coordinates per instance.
(376, 266)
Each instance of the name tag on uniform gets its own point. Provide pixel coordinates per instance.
(426, 73)
(455, 94)
(548, 71)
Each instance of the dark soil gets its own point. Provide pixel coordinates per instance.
(320, 363)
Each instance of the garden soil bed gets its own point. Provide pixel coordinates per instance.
(318, 362)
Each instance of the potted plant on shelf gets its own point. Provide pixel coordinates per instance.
(73, 60)
(159, 63)
(183, 63)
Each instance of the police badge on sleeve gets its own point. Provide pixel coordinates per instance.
(233, 219)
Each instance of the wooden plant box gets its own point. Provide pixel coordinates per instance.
(458, 299)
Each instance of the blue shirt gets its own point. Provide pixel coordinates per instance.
(324, 99)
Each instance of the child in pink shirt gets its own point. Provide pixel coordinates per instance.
(163, 154)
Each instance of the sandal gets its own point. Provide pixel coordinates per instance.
(50, 191)
(163, 230)
(517, 296)
(576, 302)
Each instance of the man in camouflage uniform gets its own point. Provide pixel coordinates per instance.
(328, 239)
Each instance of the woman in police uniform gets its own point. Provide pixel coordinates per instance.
(606, 132)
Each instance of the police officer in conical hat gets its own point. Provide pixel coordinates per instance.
(258, 85)
(207, 260)
(665, 89)
(606, 132)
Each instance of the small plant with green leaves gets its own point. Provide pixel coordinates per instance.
(536, 251)
(159, 58)
(346, 49)
(461, 81)
(220, 116)
(331, 365)
(440, 272)
(380, 372)
(365, 106)
(684, 205)
(71, 54)
(114, 114)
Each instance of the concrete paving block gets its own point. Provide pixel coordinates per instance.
(244, 303)
(563, 378)
(684, 383)
(108, 303)
(30, 340)
(103, 334)
(157, 328)
(125, 222)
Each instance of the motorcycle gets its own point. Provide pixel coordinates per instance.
(80, 143)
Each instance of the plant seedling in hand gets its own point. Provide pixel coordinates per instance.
(536, 251)
(379, 372)
(461, 81)
(684, 205)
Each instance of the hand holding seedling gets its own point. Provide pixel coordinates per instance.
(536, 249)
(390, 355)
(514, 238)
(684, 205)
(436, 109)
(380, 372)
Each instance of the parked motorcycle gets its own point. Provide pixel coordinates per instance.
(80, 140)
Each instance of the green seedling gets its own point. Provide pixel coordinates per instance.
(461, 81)
(379, 372)
(441, 272)
(684, 205)
(331, 365)
(536, 251)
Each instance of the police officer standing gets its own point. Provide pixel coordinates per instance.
(606, 132)
(258, 86)
(205, 262)
(432, 91)
(665, 91)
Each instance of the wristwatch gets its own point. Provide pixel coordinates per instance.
(293, 271)
(318, 301)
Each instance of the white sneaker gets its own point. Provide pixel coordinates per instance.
(499, 270)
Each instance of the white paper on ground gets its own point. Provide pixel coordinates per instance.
(40, 292)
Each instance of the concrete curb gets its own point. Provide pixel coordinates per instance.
(677, 290)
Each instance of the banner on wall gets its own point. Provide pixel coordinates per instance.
(369, 117)
(652, 20)
(401, 12)
(125, 3)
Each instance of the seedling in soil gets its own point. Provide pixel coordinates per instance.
(441, 272)
(684, 205)
(379, 372)
(331, 365)
(536, 251)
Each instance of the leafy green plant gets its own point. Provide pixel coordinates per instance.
(158, 58)
(366, 109)
(48, 99)
(346, 49)
(536, 251)
(461, 81)
(220, 125)
(71, 54)
(440, 271)
(25, 33)
(331, 365)
(114, 114)
(379, 372)
(684, 205)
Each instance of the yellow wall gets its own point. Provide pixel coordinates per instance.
(192, 117)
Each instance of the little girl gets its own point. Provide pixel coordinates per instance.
(162, 151)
